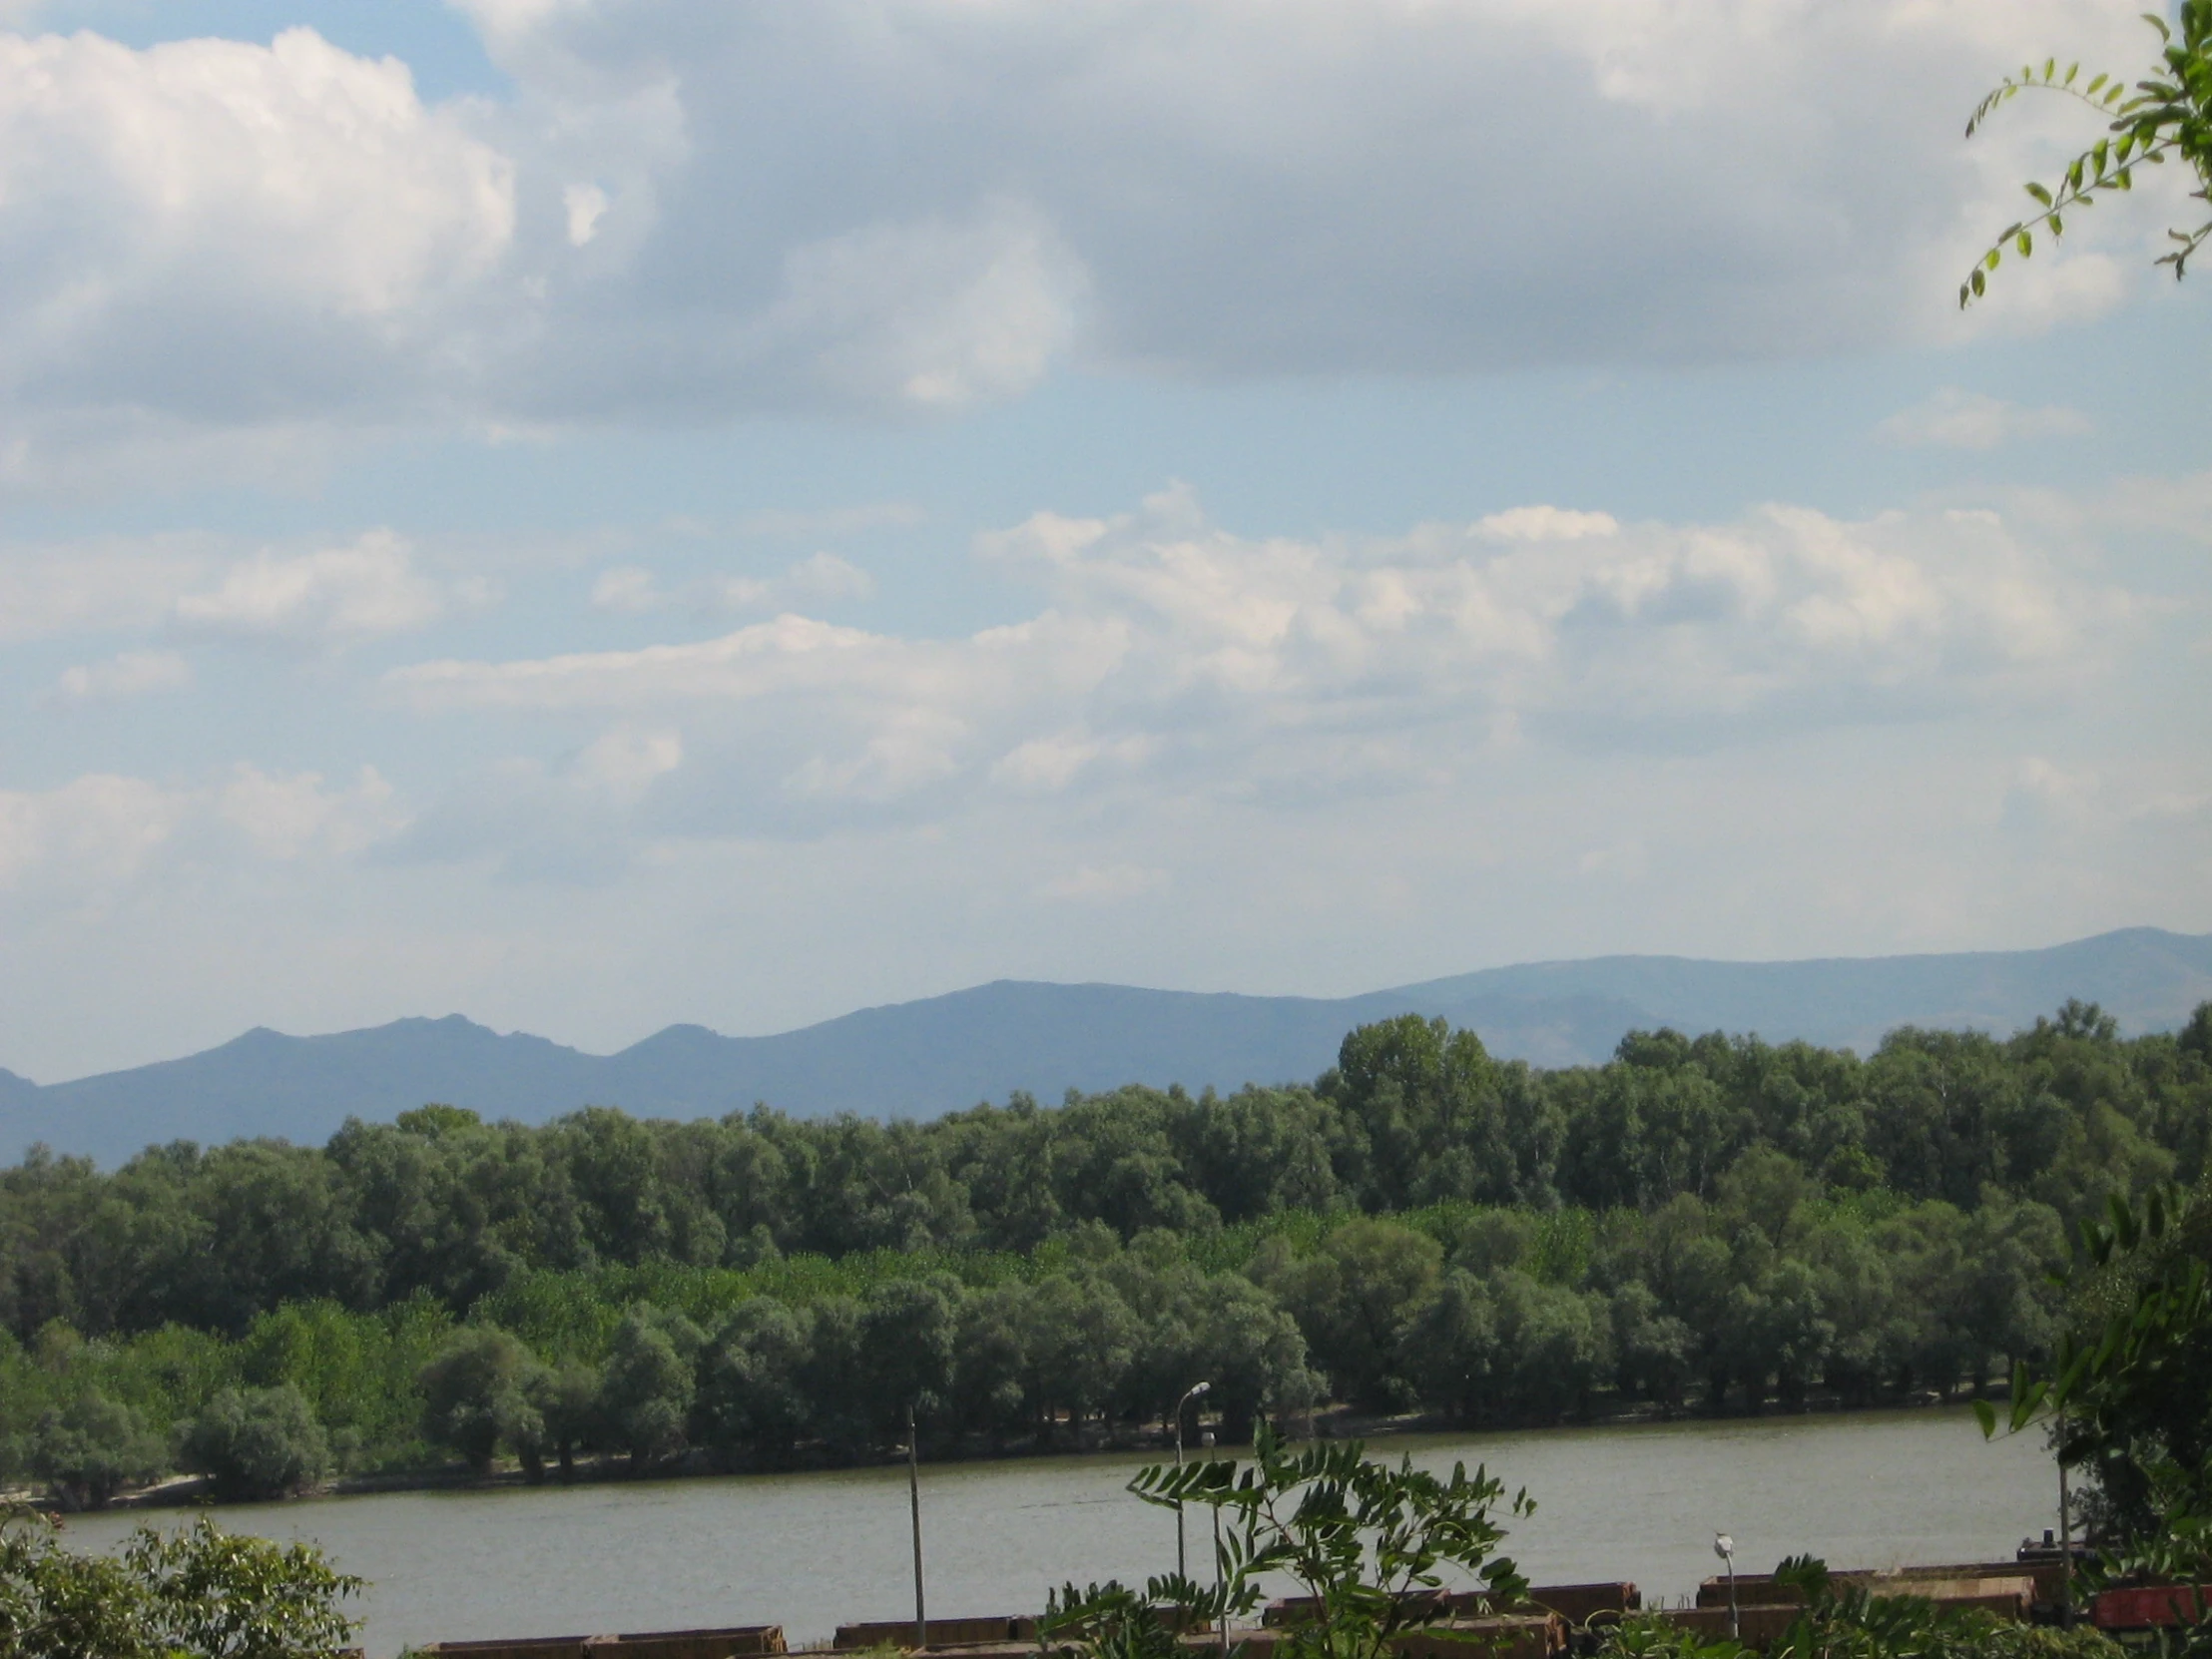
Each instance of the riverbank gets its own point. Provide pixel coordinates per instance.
(1086, 1440)
(813, 1549)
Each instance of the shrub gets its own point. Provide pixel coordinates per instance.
(91, 1449)
(645, 1390)
(479, 1390)
(258, 1444)
(193, 1594)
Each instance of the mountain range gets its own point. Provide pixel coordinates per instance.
(945, 1052)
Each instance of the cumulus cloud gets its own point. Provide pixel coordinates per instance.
(1173, 651)
(289, 818)
(214, 234)
(83, 839)
(230, 231)
(85, 842)
(1953, 419)
(119, 678)
(332, 597)
(97, 586)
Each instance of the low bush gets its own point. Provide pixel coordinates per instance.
(256, 1443)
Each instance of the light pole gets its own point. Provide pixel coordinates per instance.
(913, 1501)
(1190, 1393)
(1205, 1444)
(1725, 1547)
(2065, 1535)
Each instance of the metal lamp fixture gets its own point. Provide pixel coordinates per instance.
(1725, 1547)
(1190, 1393)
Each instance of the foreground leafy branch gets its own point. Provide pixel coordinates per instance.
(2128, 1396)
(1367, 1543)
(2169, 115)
(199, 1593)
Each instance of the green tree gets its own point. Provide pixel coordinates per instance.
(220, 1595)
(2129, 1388)
(91, 1448)
(1078, 1338)
(1453, 1344)
(198, 1593)
(566, 1399)
(256, 1443)
(752, 1383)
(2166, 114)
(906, 1350)
(477, 1392)
(1354, 1297)
(645, 1387)
(987, 1393)
(1653, 1351)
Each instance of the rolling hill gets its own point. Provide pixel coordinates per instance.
(945, 1052)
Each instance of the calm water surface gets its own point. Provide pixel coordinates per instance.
(809, 1551)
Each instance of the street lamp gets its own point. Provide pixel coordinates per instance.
(1205, 1444)
(1190, 1393)
(1725, 1547)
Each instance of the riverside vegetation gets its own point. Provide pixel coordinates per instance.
(1707, 1224)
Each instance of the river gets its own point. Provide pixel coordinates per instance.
(809, 1551)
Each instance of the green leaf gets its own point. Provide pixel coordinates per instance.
(1986, 1414)
(2025, 243)
(2041, 194)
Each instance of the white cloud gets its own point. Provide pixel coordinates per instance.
(231, 233)
(820, 578)
(587, 205)
(86, 844)
(1953, 419)
(289, 818)
(1545, 524)
(122, 678)
(330, 597)
(210, 234)
(83, 839)
(1175, 652)
(528, 820)
(97, 586)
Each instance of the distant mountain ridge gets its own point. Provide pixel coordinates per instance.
(947, 1052)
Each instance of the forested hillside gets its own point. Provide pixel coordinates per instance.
(1697, 1224)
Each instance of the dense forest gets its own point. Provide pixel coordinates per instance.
(1708, 1223)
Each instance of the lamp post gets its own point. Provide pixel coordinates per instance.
(1205, 1444)
(913, 1501)
(1190, 1393)
(1725, 1547)
(2065, 1535)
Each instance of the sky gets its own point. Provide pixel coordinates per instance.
(598, 513)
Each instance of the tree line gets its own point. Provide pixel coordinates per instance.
(1709, 1223)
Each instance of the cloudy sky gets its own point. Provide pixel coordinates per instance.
(593, 513)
